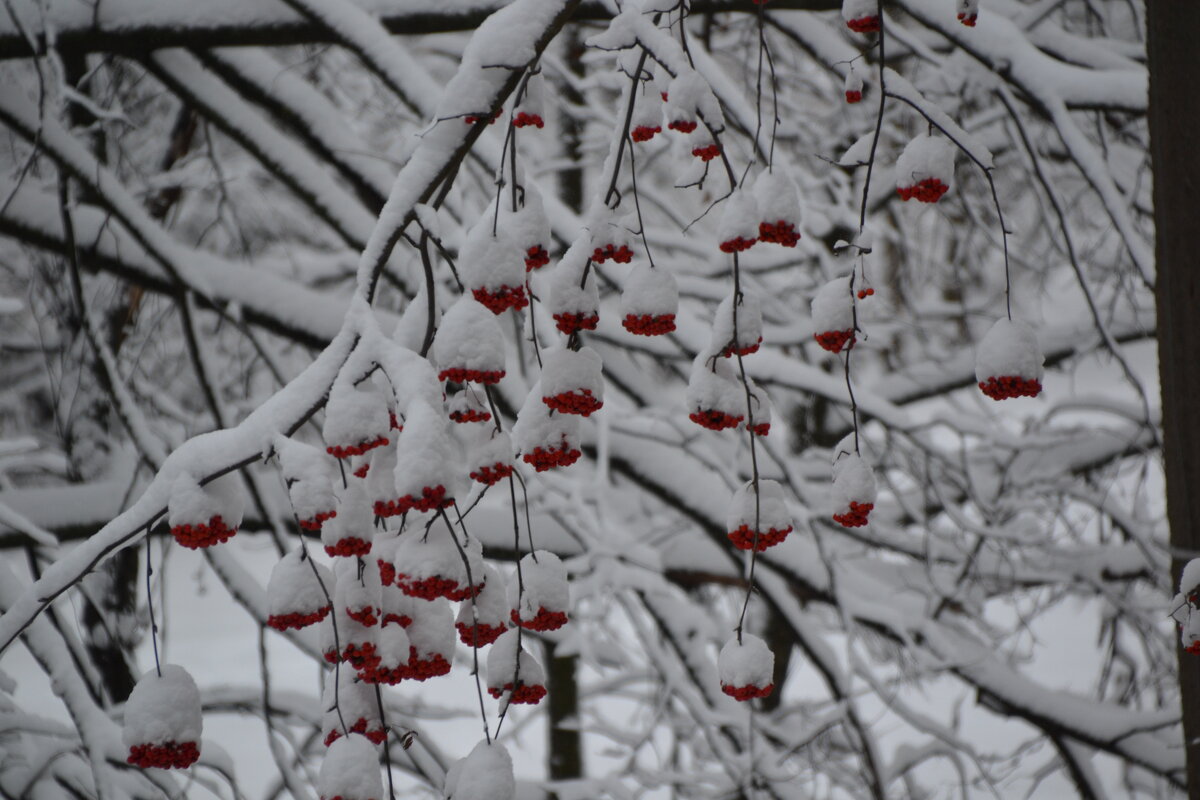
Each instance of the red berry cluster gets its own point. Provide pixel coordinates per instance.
(464, 375)
(177, 755)
(715, 419)
(761, 429)
(749, 692)
(500, 300)
(743, 537)
(422, 669)
(536, 257)
(1006, 387)
(542, 458)
(297, 620)
(363, 657)
(387, 571)
(338, 451)
(349, 546)
(366, 616)
(741, 351)
(968, 19)
(853, 96)
(315, 522)
(1193, 648)
(706, 153)
(834, 341)
(470, 415)
(856, 517)
(376, 736)
(649, 324)
(543, 620)
(432, 498)
(580, 401)
(621, 255)
(737, 244)
(524, 119)
(389, 675)
(644, 133)
(490, 475)
(781, 232)
(479, 635)
(681, 125)
(863, 294)
(529, 694)
(403, 620)
(929, 190)
(394, 421)
(471, 119)
(362, 470)
(864, 24)
(206, 534)
(571, 322)
(436, 586)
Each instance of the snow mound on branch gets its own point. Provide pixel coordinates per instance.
(485, 774)
(853, 491)
(489, 610)
(833, 306)
(426, 454)
(778, 200)
(764, 511)
(414, 322)
(490, 457)
(192, 504)
(431, 636)
(493, 267)
(431, 565)
(351, 771)
(163, 709)
(750, 663)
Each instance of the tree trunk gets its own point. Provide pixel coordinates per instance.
(1174, 117)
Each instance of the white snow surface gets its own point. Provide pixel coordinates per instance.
(294, 589)
(689, 96)
(740, 217)
(567, 371)
(355, 698)
(468, 401)
(1010, 348)
(427, 454)
(528, 226)
(421, 556)
(749, 323)
(648, 110)
(857, 9)
(355, 592)
(854, 81)
(772, 507)
(926, 157)
(190, 503)
(537, 427)
(355, 518)
(606, 227)
(392, 646)
(503, 666)
(489, 448)
(750, 663)
(852, 480)
(354, 414)
(716, 390)
(545, 585)
(163, 709)
(777, 197)
(491, 606)
(490, 262)
(833, 307)
(351, 770)
(485, 774)
(470, 337)
(649, 291)
(566, 296)
(432, 628)
(1190, 579)
(349, 630)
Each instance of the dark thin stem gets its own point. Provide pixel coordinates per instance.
(862, 213)
(387, 746)
(474, 615)
(150, 606)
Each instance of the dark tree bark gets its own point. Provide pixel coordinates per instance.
(1174, 118)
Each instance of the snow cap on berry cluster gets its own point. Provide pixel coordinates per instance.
(760, 410)
(545, 439)
(572, 306)
(1009, 349)
(647, 114)
(511, 669)
(356, 639)
(350, 771)
(190, 504)
(431, 636)
(853, 85)
(833, 315)
(530, 110)
(572, 381)
(356, 419)
(296, 594)
(490, 456)
(350, 532)
(853, 491)
(485, 774)
(926, 161)
(469, 345)
(394, 651)
(778, 207)
(738, 228)
(427, 456)
(541, 599)
(1189, 579)
(163, 709)
(715, 398)
(358, 591)
(309, 474)
(346, 698)
(746, 668)
(528, 226)
(650, 292)
(482, 619)
(767, 508)
(431, 565)
(968, 12)
(610, 236)
(749, 328)
(689, 98)
(491, 262)
(861, 16)
(468, 406)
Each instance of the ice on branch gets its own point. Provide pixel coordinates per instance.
(162, 720)
(861, 16)
(1008, 362)
(853, 490)
(738, 228)
(649, 301)
(349, 706)
(350, 771)
(513, 673)
(833, 315)
(430, 565)
(485, 774)
(350, 531)
(737, 326)
(358, 591)
(427, 473)
(539, 601)
(356, 419)
(492, 268)
(715, 398)
(546, 439)
(574, 301)
(469, 345)
(203, 516)
(746, 668)
(925, 170)
(778, 207)
(431, 637)
(298, 592)
(482, 620)
(572, 381)
(490, 457)
(758, 520)
(309, 474)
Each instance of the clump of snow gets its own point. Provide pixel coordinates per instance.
(572, 381)
(925, 170)
(689, 100)
(1009, 349)
(356, 419)
(529, 109)
(428, 469)
(310, 475)
(528, 227)
(546, 439)
(353, 703)
(610, 235)
(573, 306)
(482, 619)
(853, 86)
(1189, 632)
(469, 345)
(492, 267)
(861, 16)
(853, 490)
(163, 709)
(468, 406)
(431, 565)
(485, 774)
(650, 291)
(764, 512)
(350, 771)
(968, 12)
(202, 516)
(741, 336)
(540, 600)
(296, 595)
(1189, 581)
(779, 208)
(358, 590)
(833, 315)
(738, 228)
(746, 668)
(715, 399)
(647, 115)
(414, 321)
(512, 671)
(760, 411)
(490, 457)
(431, 636)
(394, 651)
(356, 639)
(351, 531)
